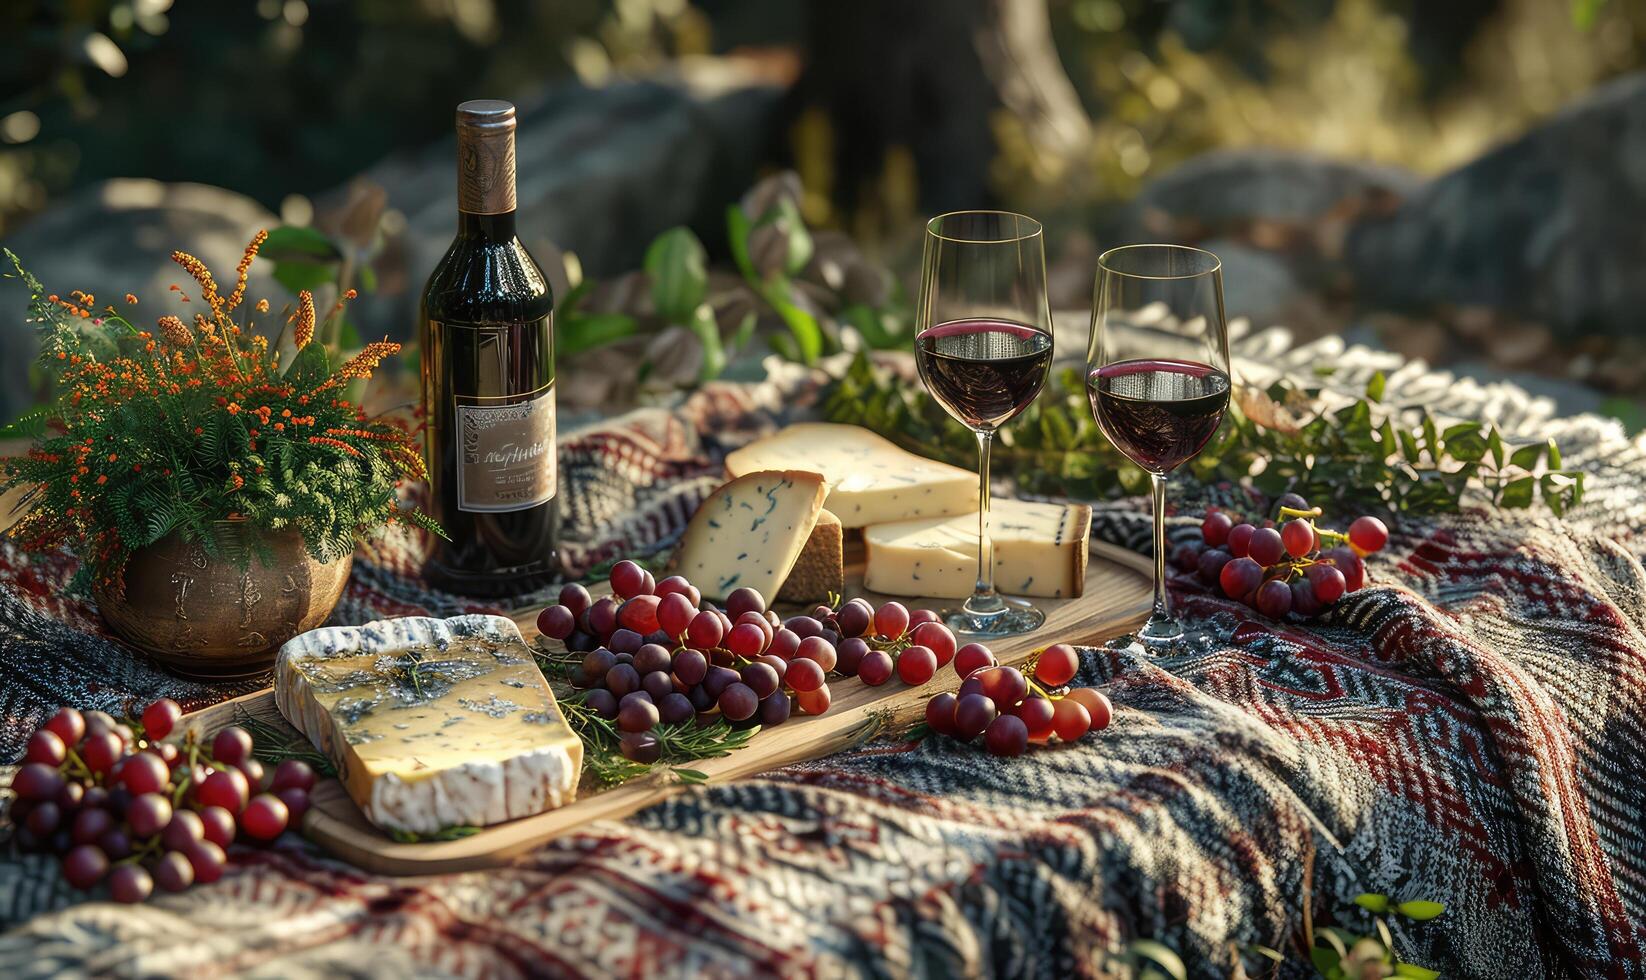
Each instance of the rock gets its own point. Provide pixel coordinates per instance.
(1546, 227)
(1256, 283)
(117, 237)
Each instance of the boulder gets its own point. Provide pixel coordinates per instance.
(1256, 284)
(1547, 227)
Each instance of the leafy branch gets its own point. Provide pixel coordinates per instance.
(1365, 454)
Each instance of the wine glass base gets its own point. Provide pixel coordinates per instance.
(1011, 618)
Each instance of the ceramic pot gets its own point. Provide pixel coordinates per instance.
(210, 618)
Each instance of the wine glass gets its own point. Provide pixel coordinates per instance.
(984, 348)
(1158, 376)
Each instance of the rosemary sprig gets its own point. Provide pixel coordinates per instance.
(273, 744)
(683, 742)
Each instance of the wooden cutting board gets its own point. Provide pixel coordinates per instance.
(1117, 598)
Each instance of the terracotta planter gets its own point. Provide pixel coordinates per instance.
(207, 618)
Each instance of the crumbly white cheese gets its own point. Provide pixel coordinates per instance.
(749, 532)
(871, 481)
(431, 723)
(1039, 550)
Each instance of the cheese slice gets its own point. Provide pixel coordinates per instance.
(871, 481)
(431, 723)
(821, 567)
(1039, 550)
(748, 533)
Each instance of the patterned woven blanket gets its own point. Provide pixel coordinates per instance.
(1470, 729)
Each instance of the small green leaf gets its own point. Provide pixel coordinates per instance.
(1409, 447)
(1554, 455)
(1494, 446)
(1415, 971)
(692, 776)
(808, 336)
(586, 331)
(1526, 457)
(298, 276)
(1267, 952)
(1431, 438)
(786, 216)
(1373, 902)
(737, 238)
(676, 264)
(1420, 911)
(1466, 446)
(702, 325)
(1376, 386)
(310, 367)
(291, 242)
(1518, 493)
(745, 330)
(1160, 955)
(1324, 960)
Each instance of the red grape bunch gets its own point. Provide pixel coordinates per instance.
(121, 803)
(880, 642)
(657, 654)
(1010, 710)
(1298, 567)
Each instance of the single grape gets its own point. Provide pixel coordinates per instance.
(1057, 665)
(70, 796)
(1298, 535)
(601, 618)
(1240, 576)
(704, 631)
(265, 817)
(916, 665)
(37, 781)
(84, 866)
(746, 640)
(818, 650)
(875, 668)
(652, 656)
(745, 600)
(972, 714)
(640, 613)
(804, 626)
(677, 585)
(1349, 563)
(627, 579)
(849, 654)
(690, 666)
(969, 658)
(657, 685)
(776, 709)
(297, 803)
(701, 699)
(760, 678)
(218, 825)
(855, 618)
(918, 616)
(130, 884)
(1328, 581)
(168, 754)
(641, 696)
(575, 598)
(938, 638)
(1037, 714)
(186, 827)
(207, 860)
(101, 750)
(602, 702)
(1240, 536)
(148, 814)
(556, 622)
(675, 708)
(1292, 500)
(46, 748)
(231, 745)
(804, 675)
(1266, 547)
(891, 620)
(145, 772)
(1070, 719)
(814, 702)
(94, 796)
(68, 725)
(785, 643)
(772, 619)
(738, 702)
(1006, 735)
(625, 640)
(761, 622)
(1185, 557)
(580, 642)
(1211, 564)
(594, 666)
(622, 679)
(641, 747)
(226, 788)
(100, 721)
(940, 714)
(1214, 530)
(115, 842)
(1304, 601)
(637, 715)
(173, 872)
(675, 613)
(1005, 686)
(1274, 599)
(44, 819)
(718, 679)
(776, 663)
(1367, 535)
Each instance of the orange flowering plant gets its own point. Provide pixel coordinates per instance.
(182, 427)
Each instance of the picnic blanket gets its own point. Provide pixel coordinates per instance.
(1470, 729)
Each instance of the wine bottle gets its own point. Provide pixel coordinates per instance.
(488, 381)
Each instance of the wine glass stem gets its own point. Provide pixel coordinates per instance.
(984, 599)
(1158, 490)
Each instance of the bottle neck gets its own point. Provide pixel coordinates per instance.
(486, 227)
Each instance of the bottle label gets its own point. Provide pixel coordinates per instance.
(506, 459)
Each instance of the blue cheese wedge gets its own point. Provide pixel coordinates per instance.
(871, 481)
(431, 723)
(749, 532)
(1039, 550)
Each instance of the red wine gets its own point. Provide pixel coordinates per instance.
(983, 371)
(488, 381)
(1158, 412)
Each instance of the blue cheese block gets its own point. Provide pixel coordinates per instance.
(1039, 550)
(431, 723)
(871, 481)
(748, 533)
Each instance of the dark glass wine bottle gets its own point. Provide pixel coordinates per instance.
(488, 381)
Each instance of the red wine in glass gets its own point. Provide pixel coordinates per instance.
(983, 371)
(1158, 412)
